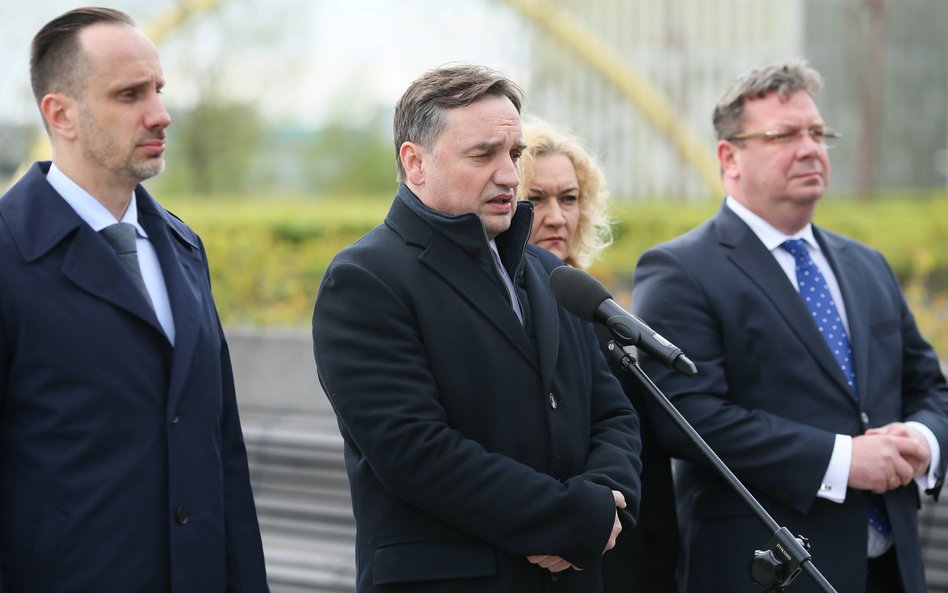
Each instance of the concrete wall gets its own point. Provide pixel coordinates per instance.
(274, 368)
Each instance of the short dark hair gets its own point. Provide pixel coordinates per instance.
(56, 63)
(784, 79)
(420, 113)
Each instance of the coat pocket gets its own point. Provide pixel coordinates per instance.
(430, 560)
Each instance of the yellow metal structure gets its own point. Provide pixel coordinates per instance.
(648, 98)
(156, 31)
(175, 17)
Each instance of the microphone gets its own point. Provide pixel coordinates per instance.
(583, 296)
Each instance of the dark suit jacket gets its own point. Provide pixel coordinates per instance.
(470, 443)
(122, 465)
(769, 398)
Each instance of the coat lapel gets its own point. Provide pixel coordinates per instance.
(182, 268)
(40, 220)
(854, 288)
(459, 254)
(457, 269)
(93, 266)
(750, 255)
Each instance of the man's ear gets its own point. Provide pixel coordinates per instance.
(59, 111)
(413, 158)
(727, 157)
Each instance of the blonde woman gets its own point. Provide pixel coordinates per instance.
(568, 192)
(570, 200)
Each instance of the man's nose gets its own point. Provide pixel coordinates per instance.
(157, 116)
(508, 174)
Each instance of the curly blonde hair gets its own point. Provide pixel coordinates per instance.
(594, 231)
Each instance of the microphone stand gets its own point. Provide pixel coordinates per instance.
(784, 556)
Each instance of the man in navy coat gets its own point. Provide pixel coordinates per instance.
(488, 446)
(814, 384)
(122, 465)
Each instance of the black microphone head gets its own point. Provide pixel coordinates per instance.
(578, 292)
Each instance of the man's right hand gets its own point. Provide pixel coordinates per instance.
(616, 524)
(881, 462)
(557, 564)
(551, 563)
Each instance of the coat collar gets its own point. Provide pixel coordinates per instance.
(456, 249)
(39, 220)
(465, 231)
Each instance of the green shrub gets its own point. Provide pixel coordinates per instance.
(268, 254)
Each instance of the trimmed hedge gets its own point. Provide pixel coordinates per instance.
(268, 254)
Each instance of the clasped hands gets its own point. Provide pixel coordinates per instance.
(558, 564)
(888, 457)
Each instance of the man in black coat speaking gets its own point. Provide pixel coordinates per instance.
(488, 446)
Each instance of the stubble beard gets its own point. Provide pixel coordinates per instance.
(101, 149)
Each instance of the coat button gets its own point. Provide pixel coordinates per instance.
(553, 403)
(865, 419)
(181, 515)
(556, 576)
(175, 419)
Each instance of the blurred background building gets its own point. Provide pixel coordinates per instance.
(298, 98)
(884, 65)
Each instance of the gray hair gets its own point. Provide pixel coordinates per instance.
(420, 113)
(784, 79)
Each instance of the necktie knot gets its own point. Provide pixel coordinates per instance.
(796, 247)
(122, 237)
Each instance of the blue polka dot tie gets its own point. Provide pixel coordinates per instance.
(819, 302)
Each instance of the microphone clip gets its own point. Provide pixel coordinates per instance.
(630, 334)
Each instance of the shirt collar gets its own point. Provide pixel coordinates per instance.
(768, 235)
(87, 207)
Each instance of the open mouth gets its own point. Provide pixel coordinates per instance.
(501, 203)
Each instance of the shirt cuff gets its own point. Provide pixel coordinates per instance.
(836, 478)
(929, 481)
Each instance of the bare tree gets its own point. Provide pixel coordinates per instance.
(868, 42)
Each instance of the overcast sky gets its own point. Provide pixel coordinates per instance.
(298, 60)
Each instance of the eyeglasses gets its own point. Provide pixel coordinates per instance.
(823, 136)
